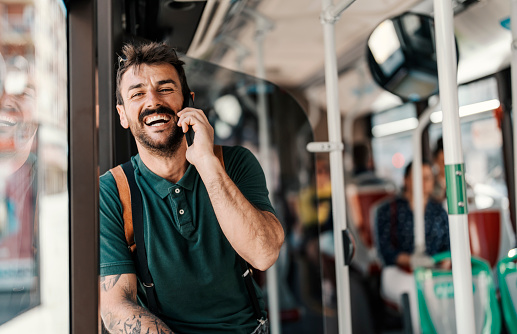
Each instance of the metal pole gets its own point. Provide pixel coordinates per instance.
(339, 8)
(336, 166)
(454, 168)
(263, 26)
(514, 91)
(416, 174)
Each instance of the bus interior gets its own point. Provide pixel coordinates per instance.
(257, 68)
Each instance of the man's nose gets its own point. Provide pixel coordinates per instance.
(153, 100)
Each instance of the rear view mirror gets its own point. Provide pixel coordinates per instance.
(402, 56)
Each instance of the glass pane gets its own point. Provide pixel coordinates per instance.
(233, 104)
(33, 168)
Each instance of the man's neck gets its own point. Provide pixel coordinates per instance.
(171, 168)
(409, 196)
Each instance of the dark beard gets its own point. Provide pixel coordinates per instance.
(164, 149)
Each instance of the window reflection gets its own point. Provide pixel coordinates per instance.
(18, 164)
(33, 166)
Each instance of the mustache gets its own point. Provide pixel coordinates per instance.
(159, 110)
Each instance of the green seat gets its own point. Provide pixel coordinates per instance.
(435, 295)
(507, 276)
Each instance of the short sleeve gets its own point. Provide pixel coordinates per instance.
(115, 257)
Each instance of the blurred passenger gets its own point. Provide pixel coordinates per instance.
(395, 233)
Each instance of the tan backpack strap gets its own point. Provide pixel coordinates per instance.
(218, 151)
(125, 200)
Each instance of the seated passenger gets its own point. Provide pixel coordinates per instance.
(395, 234)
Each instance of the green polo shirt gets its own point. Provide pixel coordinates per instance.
(195, 269)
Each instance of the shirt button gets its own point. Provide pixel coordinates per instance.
(177, 190)
(182, 211)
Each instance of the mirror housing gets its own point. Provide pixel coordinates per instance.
(401, 55)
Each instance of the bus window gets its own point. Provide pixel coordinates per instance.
(481, 140)
(34, 243)
(391, 142)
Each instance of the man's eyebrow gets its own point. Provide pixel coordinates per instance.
(163, 82)
(138, 85)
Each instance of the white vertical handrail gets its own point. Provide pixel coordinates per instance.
(417, 178)
(263, 26)
(329, 16)
(513, 19)
(454, 168)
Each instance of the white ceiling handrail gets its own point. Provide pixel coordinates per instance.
(418, 187)
(208, 27)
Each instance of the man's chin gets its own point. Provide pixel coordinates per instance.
(162, 147)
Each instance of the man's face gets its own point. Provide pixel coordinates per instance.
(427, 180)
(17, 123)
(152, 97)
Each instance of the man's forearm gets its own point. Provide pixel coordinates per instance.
(129, 317)
(256, 235)
(120, 311)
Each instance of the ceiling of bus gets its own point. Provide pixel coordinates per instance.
(293, 46)
(225, 32)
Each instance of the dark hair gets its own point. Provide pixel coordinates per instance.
(409, 166)
(151, 53)
(361, 156)
(438, 148)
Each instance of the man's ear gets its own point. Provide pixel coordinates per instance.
(122, 114)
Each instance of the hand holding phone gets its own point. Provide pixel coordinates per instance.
(190, 132)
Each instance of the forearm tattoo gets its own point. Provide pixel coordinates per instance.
(134, 325)
(139, 322)
(108, 282)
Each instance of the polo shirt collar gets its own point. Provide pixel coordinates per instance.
(162, 186)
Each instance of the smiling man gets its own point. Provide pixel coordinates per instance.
(199, 216)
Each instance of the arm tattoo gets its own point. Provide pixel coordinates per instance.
(133, 328)
(134, 325)
(127, 317)
(108, 282)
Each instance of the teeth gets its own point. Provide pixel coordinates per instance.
(157, 118)
(7, 121)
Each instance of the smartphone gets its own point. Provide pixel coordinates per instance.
(190, 133)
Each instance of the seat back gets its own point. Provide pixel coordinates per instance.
(507, 276)
(362, 199)
(485, 234)
(435, 295)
